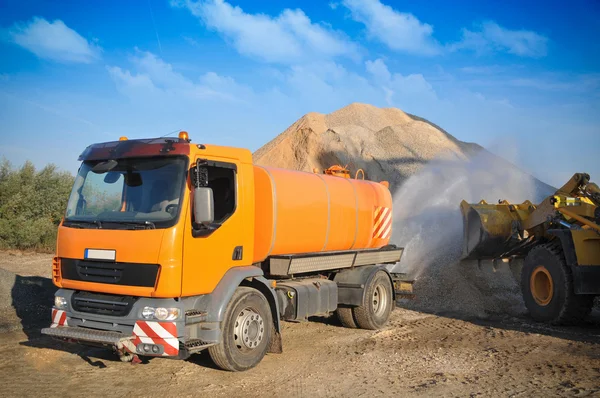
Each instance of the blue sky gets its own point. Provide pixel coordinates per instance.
(521, 78)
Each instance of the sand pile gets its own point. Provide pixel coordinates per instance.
(387, 144)
(430, 172)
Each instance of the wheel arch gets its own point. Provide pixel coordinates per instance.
(567, 245)
(221, 295)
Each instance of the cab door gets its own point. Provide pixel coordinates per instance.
(209, 252)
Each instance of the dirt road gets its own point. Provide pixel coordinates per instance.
(418, 354)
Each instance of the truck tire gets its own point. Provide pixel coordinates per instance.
(378, 303)
(346, 318)
(245, 331)
(547, 287)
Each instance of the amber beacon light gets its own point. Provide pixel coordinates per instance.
(184, 135)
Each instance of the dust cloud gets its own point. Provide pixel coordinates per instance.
(428, 224)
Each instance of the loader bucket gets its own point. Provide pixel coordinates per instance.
(492, 230)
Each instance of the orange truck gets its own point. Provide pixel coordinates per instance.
(168, 248)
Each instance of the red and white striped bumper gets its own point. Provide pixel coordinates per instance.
(144, 332)
(157, 333)
(59, 318)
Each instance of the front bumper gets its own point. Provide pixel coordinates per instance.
(147, 338)
(92, 337)
(133, 334)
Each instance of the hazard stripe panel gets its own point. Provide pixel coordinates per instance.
(161, 333)
(382, 222)
(59, 318)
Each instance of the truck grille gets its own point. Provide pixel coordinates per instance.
(115, 273)
(102, 304)
(99, 272)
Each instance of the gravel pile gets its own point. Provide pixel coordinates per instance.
(387, 144)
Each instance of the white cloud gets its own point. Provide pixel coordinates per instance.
(410, 87)
(491, 37)
(289, 38)
(155, 77)
(54, 41)
(130, 84)
(397, 30)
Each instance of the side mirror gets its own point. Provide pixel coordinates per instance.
(204, 205)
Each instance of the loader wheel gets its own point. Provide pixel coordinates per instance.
(547, 287)
(346, 318)
(377, 304)
(245, 331)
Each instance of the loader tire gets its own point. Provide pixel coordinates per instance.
(547, 287)
(378, 303)
(346, 318)
(245, 331)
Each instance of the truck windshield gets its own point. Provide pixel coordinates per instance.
(127, 193)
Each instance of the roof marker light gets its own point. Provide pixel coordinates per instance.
(184, 135)
(123, 138)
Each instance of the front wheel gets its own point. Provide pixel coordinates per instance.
(245, 331)
(378, 303)
(547, 287)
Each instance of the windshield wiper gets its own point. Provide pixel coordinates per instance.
(145, 224)
(148, 224)
(77, 224)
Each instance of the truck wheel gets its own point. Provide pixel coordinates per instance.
(547, 287)
(245, 331)
(346, 318)
(377, 304)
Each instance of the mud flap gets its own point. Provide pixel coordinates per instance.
(275, 345)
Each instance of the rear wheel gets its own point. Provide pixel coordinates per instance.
(378, 303)
(547, 287)
(245, 331)
(346, 318)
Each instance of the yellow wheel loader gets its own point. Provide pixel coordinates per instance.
(554, 246)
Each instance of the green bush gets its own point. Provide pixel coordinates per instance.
(32, 204)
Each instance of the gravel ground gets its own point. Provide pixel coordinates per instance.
(420, 353)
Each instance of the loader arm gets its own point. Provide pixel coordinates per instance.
(493, 231)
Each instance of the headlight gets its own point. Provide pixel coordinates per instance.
(60, 302)
(160, 313)
(148, 312)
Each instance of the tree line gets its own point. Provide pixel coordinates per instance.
(32, 203)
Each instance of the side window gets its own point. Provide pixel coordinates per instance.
(222, 182)
(221, 178)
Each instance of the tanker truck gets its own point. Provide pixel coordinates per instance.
(553, 248)
(168, 248)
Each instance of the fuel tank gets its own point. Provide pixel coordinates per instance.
(299, 212)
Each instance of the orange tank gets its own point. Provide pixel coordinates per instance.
(299, 212)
